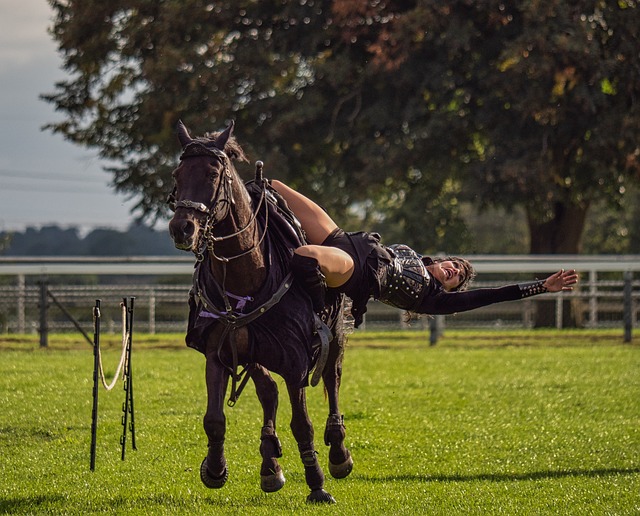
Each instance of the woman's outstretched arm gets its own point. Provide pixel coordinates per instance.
(441, 302)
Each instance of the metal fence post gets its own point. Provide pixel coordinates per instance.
(559, 312)
(21, 304)
(436, 324)
(593, 299)
(152, 311)
(44, 308)
(628, 302)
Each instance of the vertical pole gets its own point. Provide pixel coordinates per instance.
(44, 306)
(152, 311)
(21, 304)
(593, 299)
(96, 366)
(529, 313)
(559, 312)
(436, 324)
(628, 302)
(127, 407)
(132, 426)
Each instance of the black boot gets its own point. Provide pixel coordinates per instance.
(306, 270)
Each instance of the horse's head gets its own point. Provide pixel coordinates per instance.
(202, 194)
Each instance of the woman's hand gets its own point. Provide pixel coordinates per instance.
(561, 280)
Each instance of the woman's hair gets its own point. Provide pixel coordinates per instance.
(468, 272)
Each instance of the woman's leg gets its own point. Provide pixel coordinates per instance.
(314, 220)
(315, 266)
(334, 263)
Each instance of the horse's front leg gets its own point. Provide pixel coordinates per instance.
(340, 460)
(271, 475)
(213, 470)
(302, 430)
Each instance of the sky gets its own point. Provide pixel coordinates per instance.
(44, 180)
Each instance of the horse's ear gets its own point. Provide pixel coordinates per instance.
(223, 137)
(183, 134)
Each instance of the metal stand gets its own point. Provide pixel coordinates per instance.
(127, 407)
(96, 367)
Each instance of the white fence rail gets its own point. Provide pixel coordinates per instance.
(160, 286)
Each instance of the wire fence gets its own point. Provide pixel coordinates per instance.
(596, 303)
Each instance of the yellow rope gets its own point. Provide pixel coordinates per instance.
(125, 339)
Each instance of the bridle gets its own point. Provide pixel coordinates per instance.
(219, 206)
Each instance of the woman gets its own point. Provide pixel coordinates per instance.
(358, 265)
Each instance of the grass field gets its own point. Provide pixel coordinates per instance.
(531, 422)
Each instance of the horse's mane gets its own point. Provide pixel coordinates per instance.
(232, 148)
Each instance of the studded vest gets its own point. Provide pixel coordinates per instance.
(406, 279)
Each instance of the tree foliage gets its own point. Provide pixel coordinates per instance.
(137, 240)
(390, 113)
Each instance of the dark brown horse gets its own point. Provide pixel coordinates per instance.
(246, 311)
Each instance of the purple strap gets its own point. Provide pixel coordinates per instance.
(241, 303)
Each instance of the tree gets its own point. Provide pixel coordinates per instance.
(300, 93)
(542, 98)
(614, 230)
(389, 113)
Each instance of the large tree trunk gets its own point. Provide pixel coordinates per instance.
(561, 234)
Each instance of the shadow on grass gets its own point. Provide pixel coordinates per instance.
(27, 504)
(508, 477)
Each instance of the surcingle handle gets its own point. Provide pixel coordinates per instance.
(259, 166)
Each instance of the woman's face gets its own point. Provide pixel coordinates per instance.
(449, 273)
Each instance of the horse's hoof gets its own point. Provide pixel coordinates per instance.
(210, 481)
(320, 496)
(272, 483)
(341, 470)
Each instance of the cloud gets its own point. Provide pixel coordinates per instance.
(23, 30)
(43, 179)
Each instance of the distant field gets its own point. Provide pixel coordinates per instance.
(518, 422)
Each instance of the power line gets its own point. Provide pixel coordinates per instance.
(61, 190)
(44, 176)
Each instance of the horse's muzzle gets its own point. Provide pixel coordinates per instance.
(182, 232)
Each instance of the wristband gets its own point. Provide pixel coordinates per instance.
(532, 288)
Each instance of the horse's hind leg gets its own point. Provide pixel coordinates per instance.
(271, 476)
(213, 470)
(302, 430)
(340, 460)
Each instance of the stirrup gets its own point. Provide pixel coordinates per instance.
(323, 337)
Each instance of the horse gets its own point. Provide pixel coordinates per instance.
(242, 253)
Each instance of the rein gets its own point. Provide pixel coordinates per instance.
(210, 239)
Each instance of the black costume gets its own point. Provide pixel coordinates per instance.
(397, 275)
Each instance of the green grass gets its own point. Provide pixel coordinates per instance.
(531, 422)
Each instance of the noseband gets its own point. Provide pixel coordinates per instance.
(222, 200)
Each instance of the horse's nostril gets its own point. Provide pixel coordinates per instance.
(187, 228)
(181, 230)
